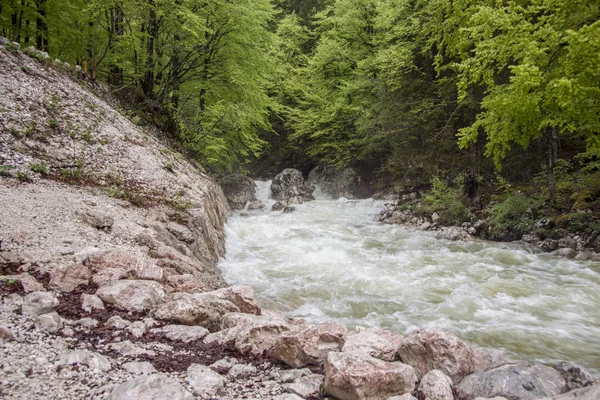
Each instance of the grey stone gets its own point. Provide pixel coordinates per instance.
(49, 322)
(549, 245)
(67, 278)
(137, 329)
(117, 322)
(37, 303)
(182, 333)
(91, 302)
(587, 393)
(223, 365)
(241, 371)
(405, 396)
(289, 186)
(203, 380)
(98, 219)
(85, 357)
(239, 190)
(150, 387)
(575, 375)
(6, 334)
(181, 232)
(305, 386)
(139, 368)
(435, 385)
(513, 381)
(376, 342)
(87, 322)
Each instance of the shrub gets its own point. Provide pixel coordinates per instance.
(39, 168)
(512, 212)
(447, 201)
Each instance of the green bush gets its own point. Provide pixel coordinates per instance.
(512, 212)
(447, 201)
(40, 168)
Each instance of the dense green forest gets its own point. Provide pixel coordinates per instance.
(479, 100)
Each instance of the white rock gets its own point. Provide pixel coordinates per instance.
(91, 302)
(182, 333)
(132, 295)
(117, 322)
(203, 380)
(85, 357)
(241, 370)
(37, 303)
(150, 387)
(49, 322)
(137, 328)
(139, 368)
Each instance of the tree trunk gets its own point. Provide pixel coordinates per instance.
(41, 28)
(116, 31)
(552, 153)
(152, 31)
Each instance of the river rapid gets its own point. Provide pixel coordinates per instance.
(329, 261)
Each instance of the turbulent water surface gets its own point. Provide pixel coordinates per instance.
(329, 261)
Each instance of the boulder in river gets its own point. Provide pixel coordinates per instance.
(288, 187)
(239, 190)
(335, 183)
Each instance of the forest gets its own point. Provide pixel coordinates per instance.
(482, 106)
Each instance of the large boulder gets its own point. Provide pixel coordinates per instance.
(242, 296)
(513, 381)
(358, 376)
(67, 277)
(113, 262)
(309, 346)
(488, 358)
(427, 350)
(132, 295)
(335, 183)
(435, 385)
(150, 387)
(181, 333)
(195, 309)
(376, 342)
(288, 187)
(575, 375)
(239, 190)
(203, 380)
(587, 393)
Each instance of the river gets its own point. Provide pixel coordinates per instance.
(329, 261)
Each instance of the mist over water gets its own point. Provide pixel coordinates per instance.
(329, 261)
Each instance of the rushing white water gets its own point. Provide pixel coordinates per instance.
(329, 261)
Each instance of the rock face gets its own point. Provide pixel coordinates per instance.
(132, 295)
(239, 190)
(288, 187)
(309, 346)
(195, 309)
(342, 183)
(150, 387)
(427, 350)
(513, 381)
(376, 342)
(358, 376)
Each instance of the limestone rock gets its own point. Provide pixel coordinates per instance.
(288, 396)
(30, 284)
(305, 386)
(203, 380)
(241, 371)
(98, 220)
(376, 342)
(181, 333)
(85, 357)
(37, 303)
(181, 232)
(117, 322)
(239, 190)
(67, 277)
(513, 381)
(108, 276)
(132, 295)
(435, 385)
(335, 183)
(405, 396)
(358, 376)
(150, 387)
(91, 302)
(575, 375)
(49, 322)
(137, 329)
(117, 261)
(242, 296)
(87, 323)
(587, 393)
(139, 368)
(6, 334)
(186, 283)
(195, 309)
(487, 359)
(223, 365)
(309, 346)
(427, 350)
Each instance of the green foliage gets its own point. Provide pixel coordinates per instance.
(447, 201)
(42, 169)
(5, 170)
(512, 213)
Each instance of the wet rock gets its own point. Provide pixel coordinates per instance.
(435, 385)
(223, 365)
(305, 386)
(427, 350)
(186, 283)
(195, 309)
(91, 302)
(256, 205)
(278, 206)
(376, 342)
(239, 190)
(85, 357)
(575, 375)
(132, 295)
(513, 381)
(309, 346)
(289, 209)
(549, 245)
(335, 183)
(182, 333)
(150, 387)
(139, 368)
(454, 233)
(99, 220)
(358, 376)
(67, 278)
(288, 186)
(117, 322)
(49, 322)
(565, 252)
(487, 359)
(544, 223)
(37, 303)
(203, 380)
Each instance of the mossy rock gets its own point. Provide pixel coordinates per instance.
(578, 222)
(582, 200)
